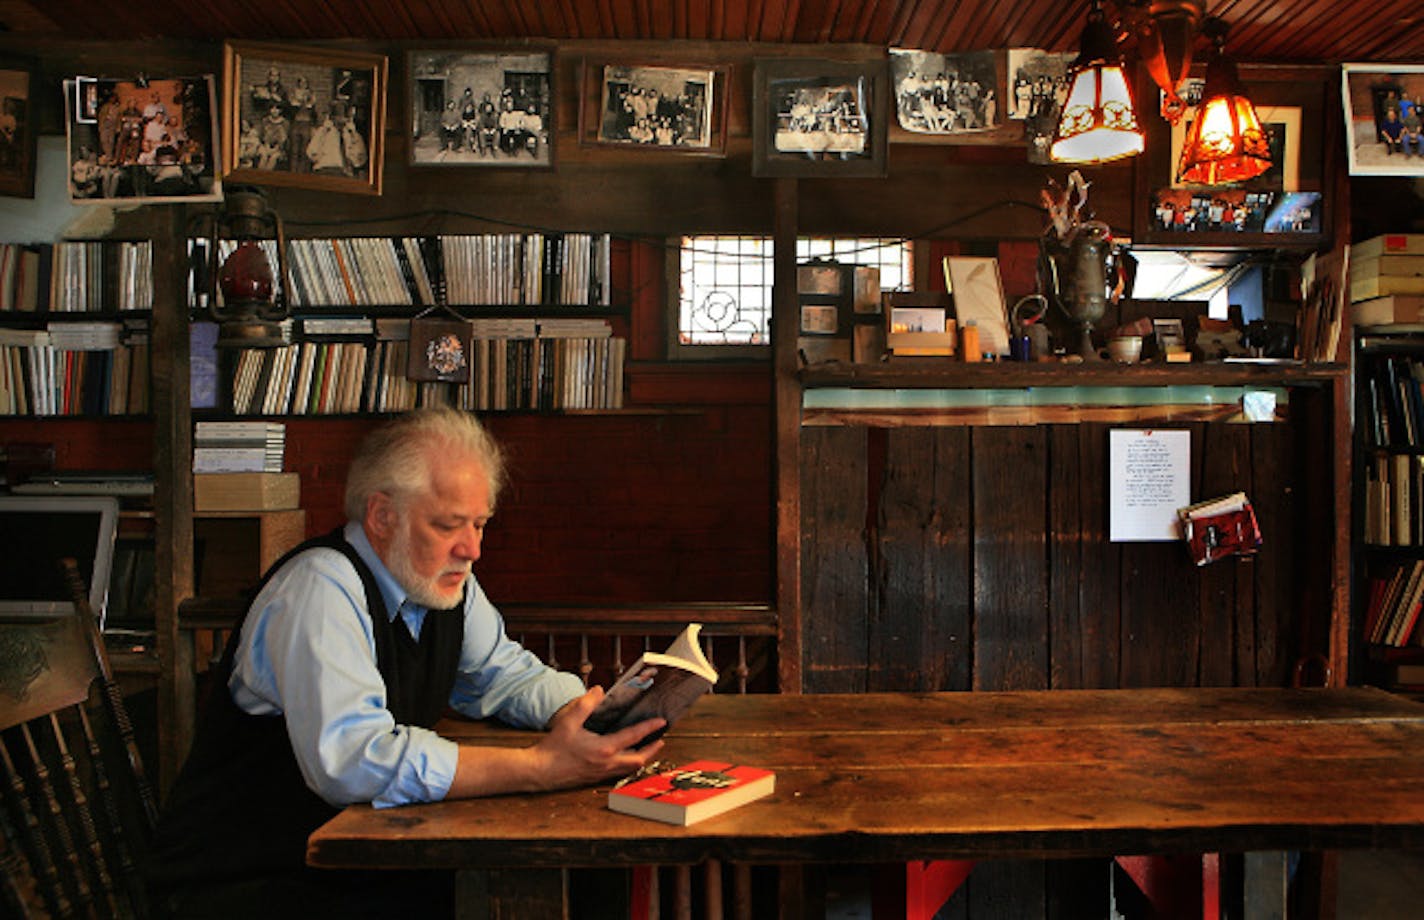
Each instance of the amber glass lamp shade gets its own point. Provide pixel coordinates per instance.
(1099, 119)
(1225, 142)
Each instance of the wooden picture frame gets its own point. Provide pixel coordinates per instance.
(1285, 206)
(144, 141)
(481, 108)
(978, 293)
(1365, 91)
(820, 118)
(17, 126)
(675, 109)
(324, 122)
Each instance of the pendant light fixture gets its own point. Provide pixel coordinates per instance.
(1225, 142)
(1099, 120)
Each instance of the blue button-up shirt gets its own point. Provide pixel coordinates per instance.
(307, 652)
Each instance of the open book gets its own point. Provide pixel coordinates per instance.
(657, 684)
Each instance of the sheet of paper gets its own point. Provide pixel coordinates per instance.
(1149, 478)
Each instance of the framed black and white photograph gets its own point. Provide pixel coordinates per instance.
(819, 118)
(481, 108)
(1037, 87)
(1384, 110)
(655, 107)
(946, 94)
(17, 128)
(305, 117)
(142, 141)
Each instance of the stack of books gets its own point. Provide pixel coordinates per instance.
(237, 466)
(1384, 267)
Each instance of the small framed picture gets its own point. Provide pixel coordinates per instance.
(138, 142)
(818, 319)
(304, 117)
(654, 107)
(819, 118)
(17, 127)
(1384, 110)
(481, 108)
(978, 294)
(950, 98)
(439, 350)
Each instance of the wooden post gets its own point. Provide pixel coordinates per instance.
(787, 419)
(173, 486)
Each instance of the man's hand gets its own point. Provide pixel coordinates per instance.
(576, 756)
(569, 755)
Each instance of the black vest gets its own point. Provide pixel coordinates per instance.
(240, 807)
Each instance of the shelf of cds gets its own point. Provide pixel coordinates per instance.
(74, 328)
(499, 270)
(89, 276)
(362, 365)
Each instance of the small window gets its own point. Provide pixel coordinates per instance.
(724, 287)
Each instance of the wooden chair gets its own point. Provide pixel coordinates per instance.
(76, 811)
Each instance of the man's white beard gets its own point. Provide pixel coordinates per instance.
(422, 590)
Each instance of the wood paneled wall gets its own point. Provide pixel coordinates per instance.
(958, 558)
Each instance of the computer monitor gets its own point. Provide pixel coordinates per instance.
(36, 531)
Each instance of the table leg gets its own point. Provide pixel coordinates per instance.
(511, 894)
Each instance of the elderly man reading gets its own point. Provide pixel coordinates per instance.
(353, 647)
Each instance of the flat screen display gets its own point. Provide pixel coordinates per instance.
(35, 533)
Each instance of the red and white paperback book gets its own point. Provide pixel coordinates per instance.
(692, 792)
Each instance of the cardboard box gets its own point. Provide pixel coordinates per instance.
(246, 491)
(1391, 309)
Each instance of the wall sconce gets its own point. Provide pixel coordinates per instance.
(1099, 120)
(1225, 143)
(1166, 30)
(254, 303)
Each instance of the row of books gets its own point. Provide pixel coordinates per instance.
(78, 276)
(1394, 499)
(324, 377)
(1395, 602)
(74, 371)
(556, 269)
(1394, 407)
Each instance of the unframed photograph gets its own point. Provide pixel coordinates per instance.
(1038, 87)
(657, 107)
(148, 141)
(481, 109)
(945, 93)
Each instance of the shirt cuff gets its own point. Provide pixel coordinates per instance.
(425, 774)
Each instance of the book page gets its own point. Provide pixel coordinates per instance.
(1148, 481)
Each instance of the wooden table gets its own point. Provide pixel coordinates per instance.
(904, 776)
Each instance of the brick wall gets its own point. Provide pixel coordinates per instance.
(666, 506)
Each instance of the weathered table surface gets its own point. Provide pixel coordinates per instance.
(897, 776)
(905, 776)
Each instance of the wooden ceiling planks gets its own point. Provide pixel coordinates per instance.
(1285, 31)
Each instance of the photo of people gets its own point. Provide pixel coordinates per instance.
(945, 93)
(1037, 89)
(823, 118)
(481, 109)
(17, 159)
(304, 117)
(659, 107)
(150, 140)
(1384, 112)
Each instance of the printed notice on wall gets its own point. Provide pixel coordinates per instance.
(1148, 480)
